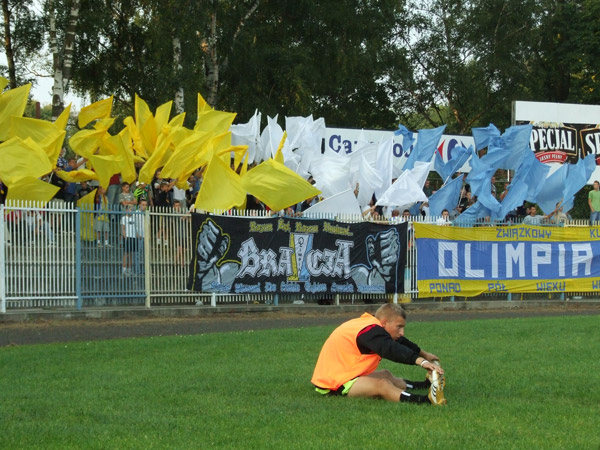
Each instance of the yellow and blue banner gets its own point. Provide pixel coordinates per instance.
(472, 261)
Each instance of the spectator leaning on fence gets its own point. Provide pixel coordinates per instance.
(444, 219)
(126, 198)
(102, 221)
(534, 219)
(594, 202)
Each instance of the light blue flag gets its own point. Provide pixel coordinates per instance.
(441, 167)
(460, 155)
(517, 191)
(533, 173)
(480, 174)
(415, 210)
(516, 139)
(471, 215)
(535, 177)
(484, 135)
(427, 143)
(552, 190)
(486, 198)
(578, 175)
(508, 151)
(446, 197)
(407, 137)
(563, 184)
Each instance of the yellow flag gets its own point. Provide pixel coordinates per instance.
(146, 128)
(62, 120)
(105, 167)
(3, 83)
(86, 142)
(203, 107)
(182, 185)
(212, 120)
(142, 112)
(215, 122)
(279, 154)
(12, 103)
(155, 161)
(277, 186)
(53, 148)
(125, 155)
(97, 110)
(108, 146)
(177, 121)
(162, 115)
(149, 135)
(239, 151)
(244, 169)
(138, 145)
(46, 134)
(22, 158)
(104, 124)
(76, 176)
(31, 189)
(86, 203)
(220, 141)
(221, 188)
(183, 154)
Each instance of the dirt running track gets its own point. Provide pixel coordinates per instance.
(43, 332)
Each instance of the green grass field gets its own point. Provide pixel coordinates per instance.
(511, 384)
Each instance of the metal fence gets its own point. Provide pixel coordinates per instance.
(54, 256)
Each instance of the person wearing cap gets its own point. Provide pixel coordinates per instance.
(142, 192)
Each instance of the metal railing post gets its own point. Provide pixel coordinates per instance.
(78, 258)
(2, 263)
(147, 239)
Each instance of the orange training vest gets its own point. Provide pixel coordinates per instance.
(340, 359)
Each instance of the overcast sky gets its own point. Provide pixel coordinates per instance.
(42, 91)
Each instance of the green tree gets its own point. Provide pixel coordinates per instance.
(462, 62)
(22, 37)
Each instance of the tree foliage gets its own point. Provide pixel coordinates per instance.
(357, 63)
(22, 37)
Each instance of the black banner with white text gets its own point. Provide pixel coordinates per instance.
(293, 255)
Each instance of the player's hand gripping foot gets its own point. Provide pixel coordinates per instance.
(436, 390)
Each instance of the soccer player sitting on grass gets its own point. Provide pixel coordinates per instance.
(349, 358)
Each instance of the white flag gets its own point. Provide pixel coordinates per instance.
(404, 191)
(368, 181)
(342, 203)
(248, 134)
(384, 164)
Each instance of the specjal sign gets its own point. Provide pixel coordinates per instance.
(561, 132)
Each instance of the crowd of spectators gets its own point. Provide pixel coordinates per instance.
(164, 195)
